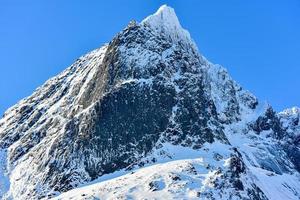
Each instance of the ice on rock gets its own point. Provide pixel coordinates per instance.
(165, 21)
(291, 111)
(147, 116)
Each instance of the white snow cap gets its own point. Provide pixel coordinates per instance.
(291, 111)
(166, 21)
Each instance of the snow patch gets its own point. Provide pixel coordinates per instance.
(4, 179)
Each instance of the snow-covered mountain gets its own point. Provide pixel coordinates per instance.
(148, 117)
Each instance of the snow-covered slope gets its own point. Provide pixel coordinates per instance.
(250, 167)
(165, 22)
(183, 173)
(145, 98)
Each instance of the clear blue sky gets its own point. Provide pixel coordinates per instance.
(257, 41)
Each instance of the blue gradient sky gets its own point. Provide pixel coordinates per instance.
(257, 41)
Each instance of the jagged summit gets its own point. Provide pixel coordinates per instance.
(291, 111)
(165, 20)
(148, 98)
(164, 16)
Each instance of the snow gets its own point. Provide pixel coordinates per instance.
(184, 173)
(256, 150)
(170, 171)
(4, 180)
(290, 119)
(291, 111)
(180, 172)
(165, 21)
(73, 77)
(277, 187)
(196, 171)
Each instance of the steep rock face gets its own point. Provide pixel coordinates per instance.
(290, 120)
(116, 105)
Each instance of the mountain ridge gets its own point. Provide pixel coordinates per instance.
(119, 106)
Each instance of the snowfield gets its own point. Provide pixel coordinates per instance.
(183, 173)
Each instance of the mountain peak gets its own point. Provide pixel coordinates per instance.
(291, 111)
(148, 98)
(165, 20)
(164, 16)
